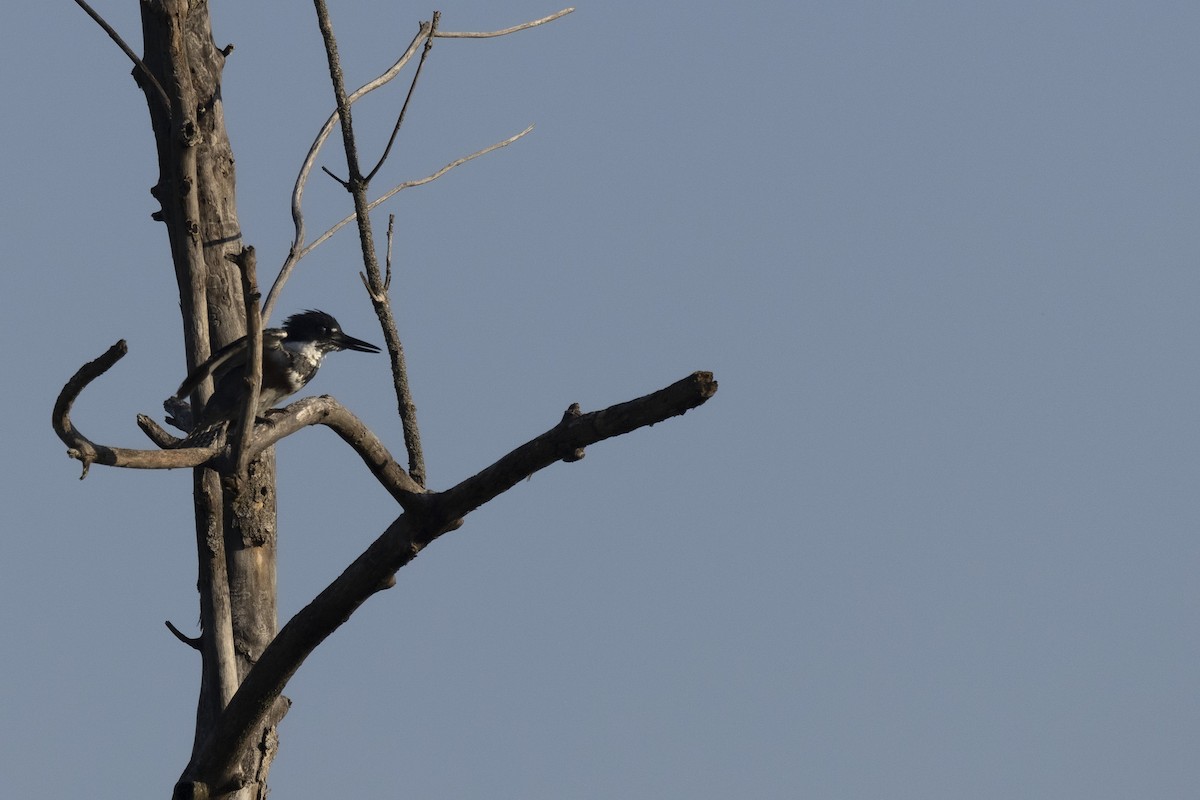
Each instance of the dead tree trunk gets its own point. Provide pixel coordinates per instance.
(247, 659)
(196, 190)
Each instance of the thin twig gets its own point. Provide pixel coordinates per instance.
(506, 31)
(137, 62)
(188, 640)
(362, 213)
(387, 280)
(375, 293)
(408, 185)
(345, 183)
(437, 16)
(297, 250)
(325, 22)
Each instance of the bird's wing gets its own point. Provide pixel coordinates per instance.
(224, 359)
(229, 357)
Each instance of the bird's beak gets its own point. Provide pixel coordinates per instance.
(345, 342)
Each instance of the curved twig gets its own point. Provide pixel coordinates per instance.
(298, 249)
(193, 643)
(506, 31)
(327, 411)
(408, 185)
(311, 411)
(88, 452)
(362, 213)
(295, 253)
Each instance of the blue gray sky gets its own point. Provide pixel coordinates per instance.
(935, 537)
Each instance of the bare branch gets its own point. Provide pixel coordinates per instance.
(327, 411)
(155, 432)
(301, 414)
(297, 250)
(566, 440)
(391, 232)
(345, 184)
(193, 643)
(458, 162)
(216, 760)
(513, 29)
(86, 451)
(139, 65)
(246, 261)
(437, 16)
(401, 542)
(362, 213)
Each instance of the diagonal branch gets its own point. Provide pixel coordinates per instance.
(567, 440)
(401, 542)
(138, 64)
(325, 410)
(388, 195)
(190, 641)
(298, 251)
(491, 34)
(437, 15)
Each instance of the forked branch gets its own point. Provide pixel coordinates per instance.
(357, 184)
(434, 515)
(299, 249)
(390, 193)
(412, 87)
(221, 456)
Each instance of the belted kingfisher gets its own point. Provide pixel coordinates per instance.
(291, 357)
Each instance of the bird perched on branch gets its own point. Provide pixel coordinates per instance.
(291, 357)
